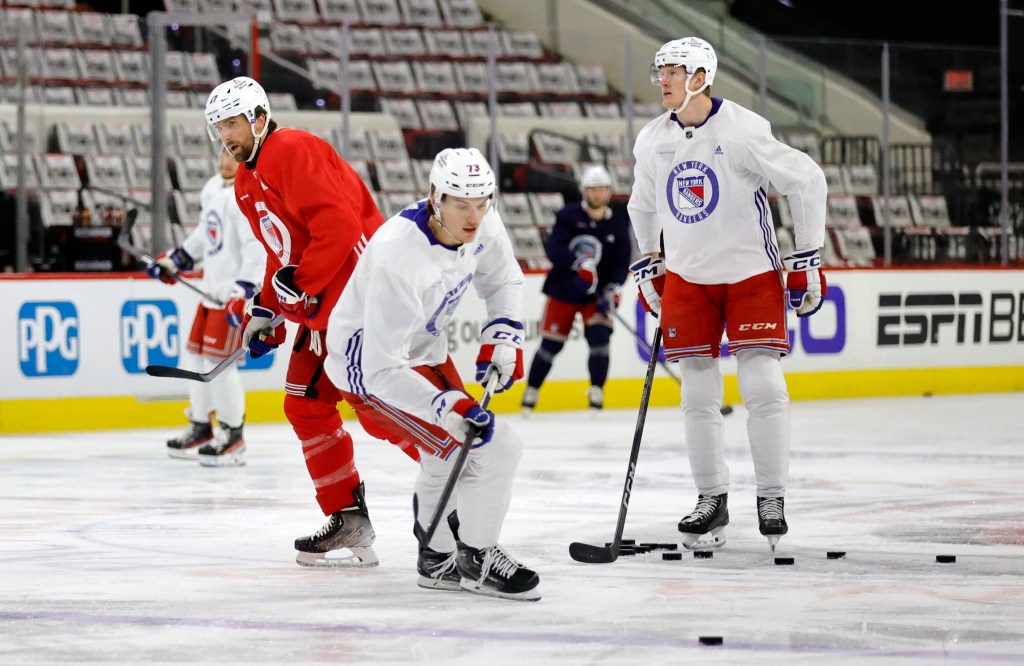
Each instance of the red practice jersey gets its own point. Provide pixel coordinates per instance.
(309, 208)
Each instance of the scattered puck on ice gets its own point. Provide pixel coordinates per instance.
(668, 546)
(710, 640)
(945, 559)
(671, 556)
(927, 394)
(784, 560)
(727, 410)
(650, 546)
(703, 554)
(629, 542)
(836, 554)
(626, 551)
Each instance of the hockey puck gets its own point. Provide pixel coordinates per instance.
(628, 542)
(626, 551)
(668, 546)
(836, 554)
(703, 554)
(727, 410)
(945, 559)
(710, 640)
(784, 560)
(671, 556)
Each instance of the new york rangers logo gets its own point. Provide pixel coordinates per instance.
(692, 191)
(214, 232)
(275, 233)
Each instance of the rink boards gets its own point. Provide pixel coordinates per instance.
(75, 348)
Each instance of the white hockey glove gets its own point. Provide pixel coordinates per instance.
(296, 305)
(256, 336)
(501, 343)
(805, 282)
(463, 417)
(649, 276)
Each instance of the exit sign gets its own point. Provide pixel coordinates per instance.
(958, 80)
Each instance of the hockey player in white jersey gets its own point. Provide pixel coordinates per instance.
(233, 264)
(701, 179)
(387, 346)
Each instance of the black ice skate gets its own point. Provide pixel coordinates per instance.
(771, 519)
(226, 450)
(491, 572)
(710, 516)
(438, 571)
(348, 531)
(185, 445)
(530, 395)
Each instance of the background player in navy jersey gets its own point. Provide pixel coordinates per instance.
(589, 249)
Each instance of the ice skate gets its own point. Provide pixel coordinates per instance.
(704, 527)
(185, 445)
(348, 532)
(226, 450)
(438, 571)
(771, 519)
(530, 395)
(595, 398)
(491, 572)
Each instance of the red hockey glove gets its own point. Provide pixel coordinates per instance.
(235, 300)
(649, 276)
(805, 282)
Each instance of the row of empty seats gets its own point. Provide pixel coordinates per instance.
(405, 43)
(54, 66)
(464, 79)
(65, 28)
(424, 13)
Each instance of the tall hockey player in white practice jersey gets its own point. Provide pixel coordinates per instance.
(233, 263)
(701, 178)
(387, 347)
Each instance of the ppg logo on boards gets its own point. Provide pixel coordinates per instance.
(48, 339)
(149, 335)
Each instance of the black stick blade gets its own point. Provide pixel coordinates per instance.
(584, 552)
(175, 373)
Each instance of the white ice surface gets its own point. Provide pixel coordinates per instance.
(112, 552)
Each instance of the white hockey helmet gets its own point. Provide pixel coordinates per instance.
(461, 172)
(239, 96)
(595, 176)
(692, 53)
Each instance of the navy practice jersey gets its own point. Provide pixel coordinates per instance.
(613, 233)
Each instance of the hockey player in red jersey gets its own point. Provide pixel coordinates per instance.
(314, 215)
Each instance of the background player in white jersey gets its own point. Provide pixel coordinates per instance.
(387, 347)
(589, 249)
(701, 178)
(233, 264)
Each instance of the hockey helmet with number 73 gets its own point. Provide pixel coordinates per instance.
(461, 172)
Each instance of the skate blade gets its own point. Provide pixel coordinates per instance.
(236, 459)
(712, 540)
(773, 540)
(183, 454)
(428, 583)
(356, 557)
(483, 590)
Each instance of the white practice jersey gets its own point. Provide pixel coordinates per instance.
(223, 241)
(394, 312)
(706, 187)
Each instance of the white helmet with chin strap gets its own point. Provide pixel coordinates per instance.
(692, 53)
(460, 172)
(239, 96)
